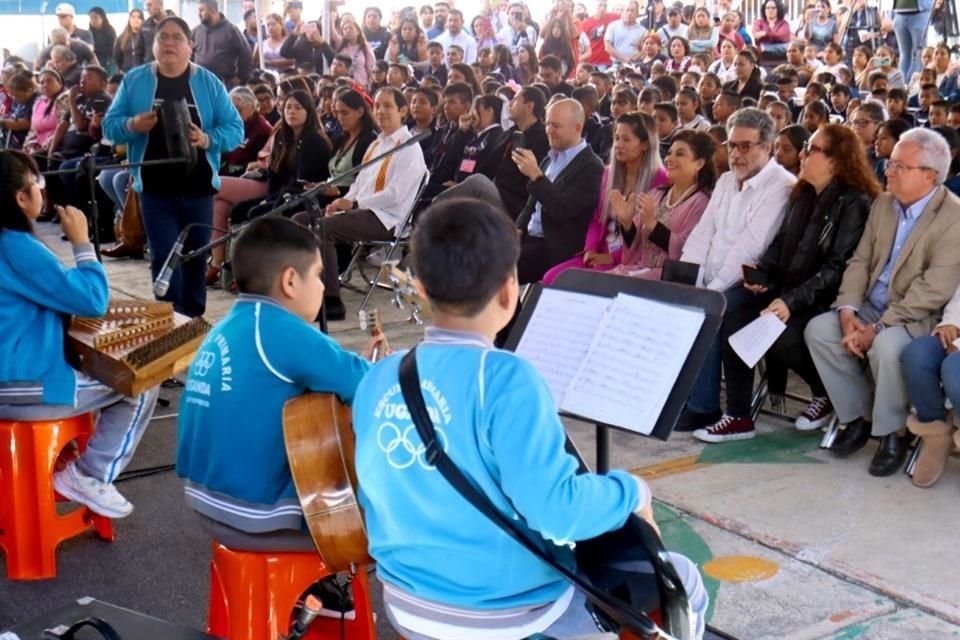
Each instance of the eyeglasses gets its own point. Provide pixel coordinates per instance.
(742, 147)
(862, 123)
(809, 148)
(895, 166)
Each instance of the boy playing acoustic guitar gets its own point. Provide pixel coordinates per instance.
(448, 571)
(230, 449)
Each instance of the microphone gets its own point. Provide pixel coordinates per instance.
(174, 258)
(309, 612)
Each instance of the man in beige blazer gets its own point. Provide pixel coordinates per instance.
(904, 271)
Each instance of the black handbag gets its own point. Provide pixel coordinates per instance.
(618, 595)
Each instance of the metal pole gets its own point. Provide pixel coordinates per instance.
(261, 39)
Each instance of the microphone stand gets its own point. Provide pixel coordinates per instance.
(309, 201)
(88, 168)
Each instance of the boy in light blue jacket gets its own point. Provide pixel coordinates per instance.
(447, 571)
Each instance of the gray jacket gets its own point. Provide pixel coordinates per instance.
(222, 49)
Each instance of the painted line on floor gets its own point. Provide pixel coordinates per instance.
(670, 467)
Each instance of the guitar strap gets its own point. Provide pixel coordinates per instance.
(623, 613)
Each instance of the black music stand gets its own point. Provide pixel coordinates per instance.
(607, 285)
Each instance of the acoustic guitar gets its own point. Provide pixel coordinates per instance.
(318, 434)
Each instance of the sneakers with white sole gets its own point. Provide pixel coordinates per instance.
(727, 429)
(101, 497)
(816, 415)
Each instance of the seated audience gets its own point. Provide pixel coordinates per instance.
(658, 227)
(825, 216)
(634, 169)
(888, 135)
(448, 143)
(744, 213)
(747, 83)
(256, 132)
(379, 199)
(508, 188)
(904, 271)
(563, 189)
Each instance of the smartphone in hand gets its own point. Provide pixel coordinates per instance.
(754, 276)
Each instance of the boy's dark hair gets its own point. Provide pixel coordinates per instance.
(117, 78)
(402, 68)
(732, 100)
(929, 87)
(840, 89)
(896, 93)
(586, 95)
(490, 103)
(940, 104)
(667, 86)
(429, 94)
(460, 90)
(651, 94)
(266, 247)
(345, 59)
(955, 107)
(463, 250)
(433, 44)
(551, 62)
(669, 109)
(16, 168)
(532, 94)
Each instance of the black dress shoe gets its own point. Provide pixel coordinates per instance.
(889, 456)
(123, 251)
(334, 308)
(852, 439)
(691, 420)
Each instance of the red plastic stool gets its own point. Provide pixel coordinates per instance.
(252, 596)
(30, 527)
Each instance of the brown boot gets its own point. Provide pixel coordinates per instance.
(936, 445)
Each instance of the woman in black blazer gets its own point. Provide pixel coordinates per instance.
(748, 83)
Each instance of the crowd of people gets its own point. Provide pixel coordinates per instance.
(807, 165)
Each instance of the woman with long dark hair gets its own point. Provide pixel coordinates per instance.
(503, 63)
(300, 154)
(634, 169)
(679, 50)
(527, 65)
(359, 130)
(38, 297)
(657, 226)
(104, 39)
(408, 44)
(825, 218)
(556, 42)
(462, 72)
(123, 47)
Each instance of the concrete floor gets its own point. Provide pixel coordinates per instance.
(794, 544)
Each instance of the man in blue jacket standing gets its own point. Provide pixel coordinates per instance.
(175, 195)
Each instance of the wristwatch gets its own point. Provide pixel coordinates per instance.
(879, 326)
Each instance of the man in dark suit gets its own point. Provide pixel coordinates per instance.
(563, 190)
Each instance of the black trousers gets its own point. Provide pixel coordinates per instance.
(789, 352)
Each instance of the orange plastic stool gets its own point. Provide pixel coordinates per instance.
(30, 527)
(252, 596)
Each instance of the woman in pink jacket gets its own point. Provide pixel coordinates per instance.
(635, 168)
(656, 224)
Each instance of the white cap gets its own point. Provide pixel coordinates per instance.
(65, 9)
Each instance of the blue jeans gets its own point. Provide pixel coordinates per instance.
(911, 32)
(114, 184)
(925, 366)
(163, 219)
(705, 396)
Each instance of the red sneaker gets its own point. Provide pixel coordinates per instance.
(727, 429)
(817, 414)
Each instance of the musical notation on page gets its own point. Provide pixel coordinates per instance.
(613, 361)
(559, 334)
(636, 356)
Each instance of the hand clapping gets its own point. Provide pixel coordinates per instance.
(623, 208)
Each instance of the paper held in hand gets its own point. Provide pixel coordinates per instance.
(755, 339)
(610, 360)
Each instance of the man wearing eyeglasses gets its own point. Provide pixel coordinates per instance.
(739, 223)
(894, 289)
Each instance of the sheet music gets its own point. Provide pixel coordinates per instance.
(755, 339)
(632, 363)
(559, 334)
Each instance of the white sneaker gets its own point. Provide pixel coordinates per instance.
(101, 497)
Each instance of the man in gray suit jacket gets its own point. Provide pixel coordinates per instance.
(894, 288)
(563, 189)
